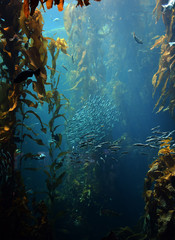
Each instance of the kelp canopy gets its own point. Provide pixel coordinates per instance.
(30, 6)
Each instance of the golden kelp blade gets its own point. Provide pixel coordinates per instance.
(159, 42)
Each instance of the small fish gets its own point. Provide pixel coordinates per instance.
(170, 134)
(72, 58)
(65, 67)
(139, 41)
(151, 140)
(130, 70)
(140, 144)
(22, 76)
(55, 19)
(40, 156)
(154, 128)
(152, 146)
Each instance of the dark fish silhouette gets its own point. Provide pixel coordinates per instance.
(21, 77)
(65, 67)
(139, 41)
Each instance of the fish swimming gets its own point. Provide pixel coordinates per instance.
(40, 156)
(154, 128)
(140, 145)
(171, 44)
(169, 5)
(56, 19)
(139, 41)
(65, 67)
(24, 75)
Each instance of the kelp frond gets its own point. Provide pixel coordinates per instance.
(30, 6)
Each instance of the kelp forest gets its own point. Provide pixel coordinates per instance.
(87, 109)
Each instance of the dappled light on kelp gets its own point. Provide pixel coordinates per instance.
(164, 77)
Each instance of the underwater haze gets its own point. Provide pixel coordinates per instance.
(95, 150)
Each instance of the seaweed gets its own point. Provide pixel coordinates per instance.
(160, 194)
(58, 44)
(164, 77)
(30, 6)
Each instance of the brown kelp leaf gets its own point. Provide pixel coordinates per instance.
(80, 2)
(29, 103)
(30, 93)
(37, 116)
(3, 114)
(40, 89)
(58, 143)
(33, 5)
(57, 81)
(56, 128)
(26, 8)
(86, 2)
(49, 4)
(27, 127)
(38, 141)
(47, 173)
(159, 42)
(59, 179)
(62, 154)
(60, 5)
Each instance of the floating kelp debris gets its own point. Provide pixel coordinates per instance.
(97, 116)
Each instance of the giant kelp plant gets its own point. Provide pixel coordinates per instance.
(160, 194)
(164, 77)
(22, 46)
(17, 220)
